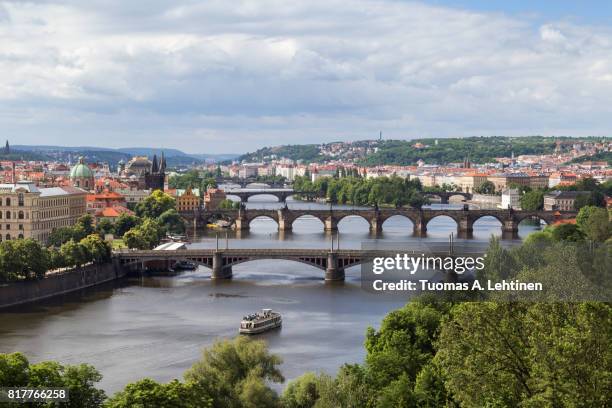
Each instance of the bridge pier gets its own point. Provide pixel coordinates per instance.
(284, 223)
(465, 227)
(420, 227)
(376, 225)
(331, 224)
(241, 224)
(219, 271)
(510, 229)
(332, 272)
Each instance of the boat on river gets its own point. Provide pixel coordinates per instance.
(260, 322)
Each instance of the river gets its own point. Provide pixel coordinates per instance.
(156, 326)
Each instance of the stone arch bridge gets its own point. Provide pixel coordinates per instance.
(465, 218)
(281, 194)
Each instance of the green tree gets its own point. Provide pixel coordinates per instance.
(532, 200)
(527, 354)
(74, 253)
(126, 222)
(23, 259)
(98, 249)
(485, 188)
(148, 393)
(172, 221)
(105, 226)
(233, 373)
(595, 223)
(79, 380)
(155, 205)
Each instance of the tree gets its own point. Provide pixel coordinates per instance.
(86, 224)
(74, 253)
(532, 200)
(486, 188)
(149, 393)
(526, 354)
(155, 205)
(145, 236)
(126, 222)
(594, 222)
(79, 380)
(99, 250)
(105, 226)
(233, 373)
(22, 259)
(172, 221)
(567, 232)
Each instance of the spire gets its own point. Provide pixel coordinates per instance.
(7, 148)
(154, 166)
(162, 164)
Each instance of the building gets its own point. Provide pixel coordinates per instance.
(82, 176)
(213, 198)
(505, 180)
(510, 198)
(144, 174)
(562, 200)
(27, 211)
(188, 200)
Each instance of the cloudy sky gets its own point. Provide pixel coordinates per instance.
(230, 76)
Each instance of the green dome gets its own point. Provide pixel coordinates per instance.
(81, 170)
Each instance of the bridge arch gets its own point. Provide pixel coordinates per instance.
(497, 216)
(441, 219)
(403, 223)
(262, 217)
(302, 221)
(353, 218)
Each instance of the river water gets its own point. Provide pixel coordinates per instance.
(156, 326)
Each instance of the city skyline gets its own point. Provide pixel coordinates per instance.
(210, 78)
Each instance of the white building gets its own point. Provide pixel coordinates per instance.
(511, 198)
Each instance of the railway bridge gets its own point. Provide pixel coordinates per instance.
(465, 218)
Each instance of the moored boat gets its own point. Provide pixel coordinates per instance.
(260, 322)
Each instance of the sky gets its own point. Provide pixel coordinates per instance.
(232, 76)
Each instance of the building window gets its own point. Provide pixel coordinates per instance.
(20, 215)
(8, 215)
(8, 201)
(20, 200)
(8, 226)
(20, 236)
(21, 227)
(8, 237)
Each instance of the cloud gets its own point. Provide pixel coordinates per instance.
(231, 76)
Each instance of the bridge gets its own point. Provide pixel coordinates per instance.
(332, 262)
(465, 218)
(243, 182)
(446, 195)
(280, 193)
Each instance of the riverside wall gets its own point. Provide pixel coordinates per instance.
(17, 293)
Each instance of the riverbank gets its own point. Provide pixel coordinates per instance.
(18, 293)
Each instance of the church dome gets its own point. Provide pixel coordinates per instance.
(81, 170)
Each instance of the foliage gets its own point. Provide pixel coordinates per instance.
(194, 179)
(22, 259)
(307, 153)
(594, 222)
(144, 236)
(393, 190)
(234, 373)
(16, 371)
(172, 221)
(485, 188)
(155, 205)
(532, 200)
(524, 354)
(125, 222)
(97, 249)
(148, 393)
(456, 150)
(228, 204)
(82, 228)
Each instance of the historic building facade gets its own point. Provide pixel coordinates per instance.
(145, 174)
(27, 211)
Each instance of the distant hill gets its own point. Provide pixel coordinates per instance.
(174, 157)
(17, 155)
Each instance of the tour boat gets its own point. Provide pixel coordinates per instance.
(260, 322)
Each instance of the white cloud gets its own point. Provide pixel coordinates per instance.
(218, 75)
